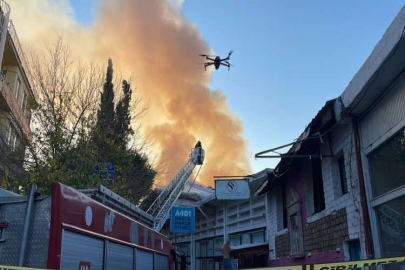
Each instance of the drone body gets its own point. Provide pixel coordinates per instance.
(217, 61)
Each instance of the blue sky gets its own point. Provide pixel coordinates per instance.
(290, 57)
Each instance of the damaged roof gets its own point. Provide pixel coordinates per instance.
(318, 125)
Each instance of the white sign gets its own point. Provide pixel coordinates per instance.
(232, 189)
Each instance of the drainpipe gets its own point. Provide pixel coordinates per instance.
(366, 217)
(24, 238)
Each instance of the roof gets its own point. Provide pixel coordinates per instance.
(389, 54)
(323, 119)
(6, 193)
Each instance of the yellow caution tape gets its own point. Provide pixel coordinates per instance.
(323, 266)
(339, 265)
(5, 267)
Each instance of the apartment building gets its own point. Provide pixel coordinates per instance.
(17, 98)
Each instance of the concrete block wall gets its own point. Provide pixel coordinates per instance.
(342, 143)
(274, 215)
(336, 204)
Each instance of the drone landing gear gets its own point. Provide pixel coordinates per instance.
(227, 65)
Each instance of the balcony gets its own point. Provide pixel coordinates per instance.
(20, 116)
(12, 34)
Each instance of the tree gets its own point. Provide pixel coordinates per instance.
(134, 174)
(75, 127)
(123, 128)
(67, 94)
(106, 116)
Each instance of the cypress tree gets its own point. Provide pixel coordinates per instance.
(123, 116)
(105, 116)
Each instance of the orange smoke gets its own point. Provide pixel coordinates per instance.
(150, 41)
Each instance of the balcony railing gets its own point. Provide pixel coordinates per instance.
(19, 115)
(20, 52)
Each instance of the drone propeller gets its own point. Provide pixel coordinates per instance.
(230, 53)
(229, 64)
(206, 55)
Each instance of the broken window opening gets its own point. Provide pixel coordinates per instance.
(319, 196)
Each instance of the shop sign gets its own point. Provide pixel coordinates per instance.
(182, 220)
(232, 189)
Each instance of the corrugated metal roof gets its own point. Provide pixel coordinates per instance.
(6, 193)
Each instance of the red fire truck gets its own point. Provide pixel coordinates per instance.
(84, 232)
(78, 233)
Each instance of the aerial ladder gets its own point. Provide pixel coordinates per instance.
(161, 207)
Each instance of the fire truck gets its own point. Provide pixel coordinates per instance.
(88, 229)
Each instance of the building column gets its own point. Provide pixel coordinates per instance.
(192, 252)
(225, 233)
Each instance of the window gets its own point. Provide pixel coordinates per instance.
(387, 173)
(319, 196)
(391, 222)
(342, 174)
(285, 218)
(216, 245)
(281, 207)
(17, 88)
(210, 251)
(387, 165)
(11, 137)
(203, 249)
(24, 101)
(20, 97)
(258, 237)
(235, 240)
(246, 239)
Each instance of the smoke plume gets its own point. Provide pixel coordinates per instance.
(152, 42)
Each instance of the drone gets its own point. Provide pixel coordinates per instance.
(217, 61)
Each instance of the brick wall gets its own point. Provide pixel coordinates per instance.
(327, 233)
(283, 245)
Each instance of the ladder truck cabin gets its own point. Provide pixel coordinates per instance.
(89, 229)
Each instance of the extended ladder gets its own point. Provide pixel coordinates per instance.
(160, 208)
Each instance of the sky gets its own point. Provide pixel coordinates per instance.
(290, 57)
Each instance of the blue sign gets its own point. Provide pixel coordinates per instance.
(182, 220)
(106, 171)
